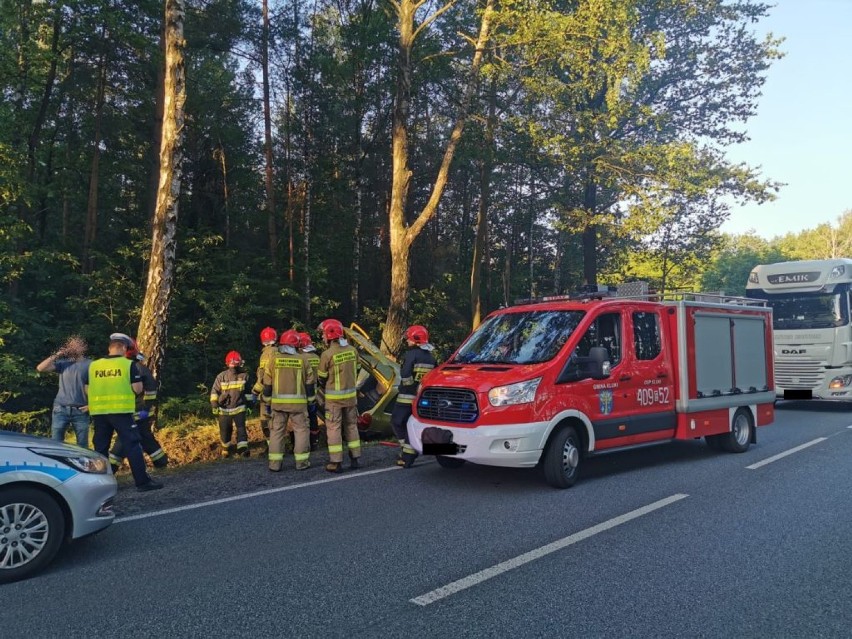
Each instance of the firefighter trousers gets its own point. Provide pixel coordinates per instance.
(337, 419)
(264, 420)
(298, 420)
(150, 445)
(399, 422)
(226, 429)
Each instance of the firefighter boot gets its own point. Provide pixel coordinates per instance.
(408, 459)
(400, 461)
(314, 440)
(243, 449)
(354, 463)
(334, 467)
(227, 450)
(303, 465)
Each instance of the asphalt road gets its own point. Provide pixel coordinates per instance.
(669, 541)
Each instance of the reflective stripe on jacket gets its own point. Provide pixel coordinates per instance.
(339, 368)
(415, 365)
(110, 390)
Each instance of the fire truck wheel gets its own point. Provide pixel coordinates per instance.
(561, 461)
(449, 462)
(738, 440)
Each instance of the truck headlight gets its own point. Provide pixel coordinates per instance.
(837, 271)
(840, 382)
(94, 464)
(752, 278)
(520, 393)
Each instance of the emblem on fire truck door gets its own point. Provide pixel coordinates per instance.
(605, 401)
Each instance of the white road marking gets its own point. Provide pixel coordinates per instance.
(268, 491)
(769, 460)
(520, 560)
(849, 427)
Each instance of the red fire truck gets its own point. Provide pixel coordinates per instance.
(549, 382)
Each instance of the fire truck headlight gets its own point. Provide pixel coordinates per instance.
(840, 382)
(836, 272)
(752, 277)
(520, 393)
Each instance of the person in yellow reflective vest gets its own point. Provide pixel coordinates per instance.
(228, 401)
(288, 381)
(417, 361)
(112, 384)
(337, 375)
(309, 352)
(268, 337)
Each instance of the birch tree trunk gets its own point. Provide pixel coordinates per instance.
(402, 235)
(481, 240)
(153, 323)
(267, 137)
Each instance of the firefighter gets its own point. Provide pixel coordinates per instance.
(268, 337)
(145, 402)
(309, 351)
(418, 361)
(288, 381)
(228, 401)
(337, 375)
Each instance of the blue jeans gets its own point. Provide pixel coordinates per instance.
(65, 416)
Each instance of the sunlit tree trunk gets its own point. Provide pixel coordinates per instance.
(153, 323)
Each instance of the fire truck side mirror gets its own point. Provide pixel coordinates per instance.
(599, 366)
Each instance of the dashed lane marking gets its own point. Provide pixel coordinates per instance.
(769, 460)
(538, 553)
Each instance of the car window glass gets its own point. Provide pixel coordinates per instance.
(646, 335)
(604, 331)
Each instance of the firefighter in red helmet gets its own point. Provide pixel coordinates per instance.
(337, 375)
(268, 338)
(416, 363)
(309, 352)
(228, 400)
(288, 381)
(145, 402)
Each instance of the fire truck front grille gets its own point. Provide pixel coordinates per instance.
(799, 374)
(448, 405)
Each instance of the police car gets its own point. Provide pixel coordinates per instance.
(50, 493)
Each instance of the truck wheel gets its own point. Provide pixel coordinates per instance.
(449, 462)
(31, 531)
(739, 439)
(561, 460)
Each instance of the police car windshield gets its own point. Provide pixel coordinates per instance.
(528, 337)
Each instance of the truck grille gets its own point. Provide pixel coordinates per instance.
(448, 405)
(799, 374)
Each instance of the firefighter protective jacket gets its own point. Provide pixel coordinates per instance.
(338, 372)
(288, 381)
(269, 352)
(416, 363)
(148, 397)
(228, 392)
(313, 362)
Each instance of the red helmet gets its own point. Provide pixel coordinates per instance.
(233, 359)
(133, 351)
(268, 335)
(289, 338)
(417, 334)
(305, 340)
(331, 329)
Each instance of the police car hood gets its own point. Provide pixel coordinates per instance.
(21, 440)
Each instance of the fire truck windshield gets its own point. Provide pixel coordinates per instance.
(803, 310)
(528, 337)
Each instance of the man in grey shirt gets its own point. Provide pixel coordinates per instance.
(70, 408)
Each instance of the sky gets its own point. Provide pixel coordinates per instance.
(802, 133)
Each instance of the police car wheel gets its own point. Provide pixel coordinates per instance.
(561, 461)
(449, 462)
(738, 440)
(31, 531)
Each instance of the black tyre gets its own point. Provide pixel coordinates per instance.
(449, 462)
(31, 531)
(560, 463)
(742, 429)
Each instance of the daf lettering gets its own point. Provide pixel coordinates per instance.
(793, 351)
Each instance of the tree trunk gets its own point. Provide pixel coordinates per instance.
(590, 234)
(267, 136)
(402, 235)
(479, 244)
(50, 81)
(91, 228)
(156, 130)
(153, 323)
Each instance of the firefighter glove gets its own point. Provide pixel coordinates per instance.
(143, 414)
